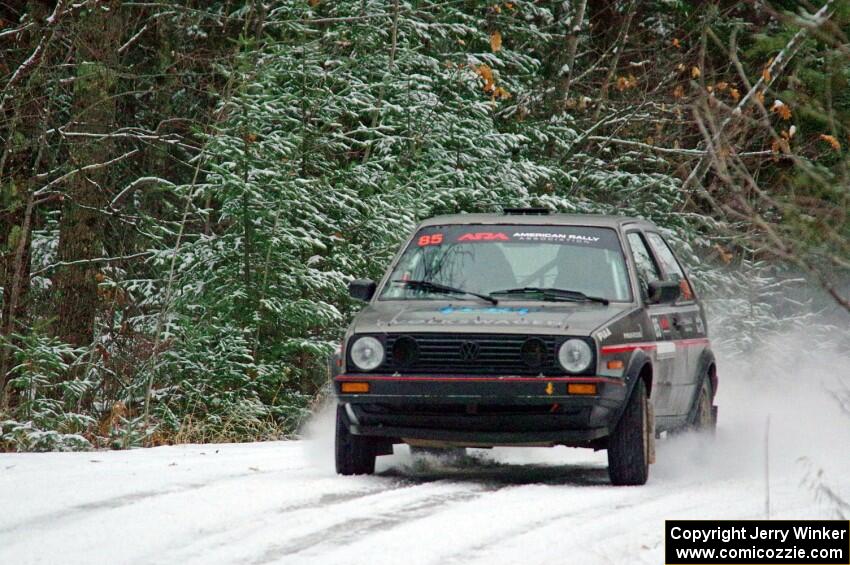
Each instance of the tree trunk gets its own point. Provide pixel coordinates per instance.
(96, 35)
(19, 162)
(16, 246)
(572, 44)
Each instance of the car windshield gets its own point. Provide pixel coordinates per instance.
(525, 259)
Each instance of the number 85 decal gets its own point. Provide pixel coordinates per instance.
(433, 239)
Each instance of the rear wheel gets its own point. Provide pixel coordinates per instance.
(355, 455)
(630, 445)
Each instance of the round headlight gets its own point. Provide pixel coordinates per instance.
(575, 355)
(367, 353)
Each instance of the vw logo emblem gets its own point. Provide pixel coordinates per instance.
(469, 350)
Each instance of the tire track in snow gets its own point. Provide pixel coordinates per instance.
(492, 479)
(649, 505)
(479, 478)
(327, 524)
(575, 516)
(344, 533)
(330, 499)
(71, 512)
(213, 539)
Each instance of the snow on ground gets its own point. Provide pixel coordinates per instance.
(280, 502)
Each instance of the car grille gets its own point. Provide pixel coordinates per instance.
(492, 354)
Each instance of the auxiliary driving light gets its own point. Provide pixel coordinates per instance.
(533, 352)
(405, 352)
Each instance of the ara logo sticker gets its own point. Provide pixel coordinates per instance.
(484, 236)
(603, 334)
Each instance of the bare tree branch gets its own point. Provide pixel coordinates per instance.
(94, 166)
(92, 261)
(774, 70)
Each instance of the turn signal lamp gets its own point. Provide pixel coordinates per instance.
(355, 387)
(581, 388)
(615, 364)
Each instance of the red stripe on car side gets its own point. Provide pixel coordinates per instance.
(693, 341)
(626, 347)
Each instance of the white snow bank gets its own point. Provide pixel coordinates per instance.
(280, 502)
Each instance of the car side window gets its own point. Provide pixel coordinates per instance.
(665, 256)
(671, 267)
(647, 270)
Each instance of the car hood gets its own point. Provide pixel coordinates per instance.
(573, 318)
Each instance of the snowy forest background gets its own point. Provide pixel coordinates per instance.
(187, 186)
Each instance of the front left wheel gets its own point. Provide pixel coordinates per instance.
(354, 455)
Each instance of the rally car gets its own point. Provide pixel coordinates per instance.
(525, 329)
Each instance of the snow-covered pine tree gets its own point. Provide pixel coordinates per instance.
(339, 136)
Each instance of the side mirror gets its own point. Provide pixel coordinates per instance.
(362, 289)
(663, 292)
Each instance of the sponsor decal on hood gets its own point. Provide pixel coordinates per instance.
(485, 310)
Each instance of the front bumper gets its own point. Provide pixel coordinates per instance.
(480, 410)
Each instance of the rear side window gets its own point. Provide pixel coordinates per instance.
(671, 266)
(668, 261)
(647, 271)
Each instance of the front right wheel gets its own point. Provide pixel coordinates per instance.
(630, 445)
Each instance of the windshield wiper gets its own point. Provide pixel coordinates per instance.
(553, 294)
(443, 289)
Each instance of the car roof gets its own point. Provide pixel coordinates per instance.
(590, 220)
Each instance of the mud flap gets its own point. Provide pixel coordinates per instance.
(714, 414)
(650, 416)
(384, 448)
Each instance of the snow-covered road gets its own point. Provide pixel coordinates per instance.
(281, 503)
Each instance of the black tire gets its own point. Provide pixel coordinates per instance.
(355, 455)
(629, 446)
(703, 417)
